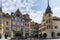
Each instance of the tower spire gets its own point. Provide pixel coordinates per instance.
(0, 5)
(48, 10)
(48, 2)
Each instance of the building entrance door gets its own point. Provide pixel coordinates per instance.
(53, 35)
(44, 35)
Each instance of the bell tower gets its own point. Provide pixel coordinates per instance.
(47, 17)
(47, 21)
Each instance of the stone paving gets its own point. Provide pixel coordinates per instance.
(29, 39)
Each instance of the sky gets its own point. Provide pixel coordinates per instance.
(35, 8)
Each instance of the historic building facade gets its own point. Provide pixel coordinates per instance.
(5, 24)
(47, 21)
(27, 25)
(17, 20)
(50, 24)
(34, 29)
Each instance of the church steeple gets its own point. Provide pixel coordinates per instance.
(48, 3)
(0, 5)
(48, 10)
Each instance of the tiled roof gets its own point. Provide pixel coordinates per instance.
(56, 18)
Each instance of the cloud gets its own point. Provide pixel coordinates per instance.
(35, 17)
(25, 6)
(56, 11)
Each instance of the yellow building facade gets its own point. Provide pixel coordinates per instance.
(50, 25)
(5, 24)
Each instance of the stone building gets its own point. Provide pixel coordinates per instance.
(17, 23)
(50, 24)
(27, 25)
(17, 20)
(5, 24)
(34, 29)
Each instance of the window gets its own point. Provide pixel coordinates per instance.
(7, 28)
(49, 14)
(23, 20)
(21, 24)
(58, 34)
(17, 15)
(18, 19)
(55, 27)
(0, 28)
(0, 21)
(47, 27)
(44, 24)
(48, 21)
(15, 18)
(7, 23)
(18, 23)
(43, 19)
(0, 16)
(14, 23)
(18, 29)
(14, 28)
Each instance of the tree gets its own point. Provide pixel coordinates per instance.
(18, 33)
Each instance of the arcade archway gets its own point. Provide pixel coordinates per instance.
(44, 35)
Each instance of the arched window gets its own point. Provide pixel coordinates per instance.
(48, 21)
(44, 35)
(55, 27)
(7, 23)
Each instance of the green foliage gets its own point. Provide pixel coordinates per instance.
(20, 32)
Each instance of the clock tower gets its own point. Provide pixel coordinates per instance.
(48, 21)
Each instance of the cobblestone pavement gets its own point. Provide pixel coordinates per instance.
(31, 39)
(3, 39)
(34, 39)
(37, 39)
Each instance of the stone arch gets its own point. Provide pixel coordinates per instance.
(36, 35)
(45, 35)
(26, 34)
